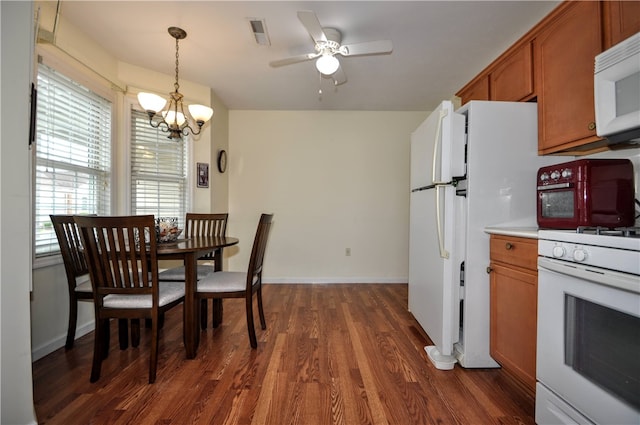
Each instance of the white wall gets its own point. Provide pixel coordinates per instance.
(15, 355)
(334, 180)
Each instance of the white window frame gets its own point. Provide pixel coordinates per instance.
(131, 102)
(99, 87)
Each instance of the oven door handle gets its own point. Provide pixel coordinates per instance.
(624, 281)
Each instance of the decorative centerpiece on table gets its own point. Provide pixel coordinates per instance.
(167, 229)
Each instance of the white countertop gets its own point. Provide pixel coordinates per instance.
(521, 232)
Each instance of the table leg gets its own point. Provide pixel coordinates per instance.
(216, 307)
(191, 311)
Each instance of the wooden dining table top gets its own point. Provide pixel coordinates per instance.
(195, 244)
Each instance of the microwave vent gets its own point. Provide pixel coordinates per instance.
(621, 51)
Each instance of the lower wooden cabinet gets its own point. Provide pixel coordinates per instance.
(514, 295)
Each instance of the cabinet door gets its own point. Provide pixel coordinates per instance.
(476, 90)
(622, 20)
(512, 79)
(565, 50)
(514, 295)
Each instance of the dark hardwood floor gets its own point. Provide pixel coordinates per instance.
(332, 354)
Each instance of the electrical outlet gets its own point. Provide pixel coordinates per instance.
(347, 252)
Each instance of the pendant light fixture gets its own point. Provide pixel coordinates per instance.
(173, 119)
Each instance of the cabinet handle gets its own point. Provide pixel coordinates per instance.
(591, 126)
(508, 246)
(489, 269)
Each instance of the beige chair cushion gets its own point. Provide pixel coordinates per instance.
(177, 273)
(168, 292)
(223, 282)
(84, 287)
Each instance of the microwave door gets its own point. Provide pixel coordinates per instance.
(617, 91)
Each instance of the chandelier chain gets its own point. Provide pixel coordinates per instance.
(176, 85)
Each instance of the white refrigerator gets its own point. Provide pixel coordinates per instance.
(470, 168)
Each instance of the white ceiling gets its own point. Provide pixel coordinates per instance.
(438, 47)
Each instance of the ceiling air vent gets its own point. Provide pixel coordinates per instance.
(259, 30)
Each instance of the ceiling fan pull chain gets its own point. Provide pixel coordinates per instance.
(319, 87)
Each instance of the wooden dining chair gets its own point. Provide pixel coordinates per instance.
(227, 284)
(201, 224)
(123, 266)
(78, 282)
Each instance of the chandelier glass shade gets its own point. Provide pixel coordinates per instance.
(172, 119)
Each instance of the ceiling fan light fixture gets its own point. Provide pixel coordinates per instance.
(327, 64)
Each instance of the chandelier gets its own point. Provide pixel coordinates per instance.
(173, 119)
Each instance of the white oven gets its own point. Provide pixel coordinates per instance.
(588, 348)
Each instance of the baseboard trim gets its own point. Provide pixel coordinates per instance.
(53, 345)
(333, 280)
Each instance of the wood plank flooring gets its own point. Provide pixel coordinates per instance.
(343, 354)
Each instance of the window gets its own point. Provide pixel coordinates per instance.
(72, 154)
(159, 181)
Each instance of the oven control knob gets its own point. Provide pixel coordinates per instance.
(558, 251)
(555, 175)
(566, 173)
(579, 255)
(544, 176)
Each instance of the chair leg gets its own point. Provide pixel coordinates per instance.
(73, 319)
(203, 313)
(135, 332)
(153, 355)
(123, 333)
(98, 348)
(250, 327)
(106, 337)
(263, 323)
(216, 312)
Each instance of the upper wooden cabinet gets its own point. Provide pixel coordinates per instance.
(553, 64)
(565, 49)
(512, 77)
(621, 21)
(477, 89)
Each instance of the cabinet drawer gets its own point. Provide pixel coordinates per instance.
(520, 252)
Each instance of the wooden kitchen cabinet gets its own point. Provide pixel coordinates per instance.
(565, 48)
(477, 89)
(512, 77)
(553, 64)
(513, 312)
(621, 21)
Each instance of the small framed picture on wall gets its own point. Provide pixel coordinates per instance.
(203, 174)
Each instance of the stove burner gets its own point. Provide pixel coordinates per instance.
(625, 232)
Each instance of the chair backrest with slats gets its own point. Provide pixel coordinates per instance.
(121, 255)
(70, 243)
(198, 224)
(254, 272)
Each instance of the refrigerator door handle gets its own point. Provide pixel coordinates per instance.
(436, 144)
(439, 224)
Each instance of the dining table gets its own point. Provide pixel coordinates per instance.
(189, 250)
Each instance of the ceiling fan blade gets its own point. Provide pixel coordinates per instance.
(367, 48)
(312, 24)
(294, 59)
(339, 77)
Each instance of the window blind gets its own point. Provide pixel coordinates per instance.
(158, 171)
(72, 154)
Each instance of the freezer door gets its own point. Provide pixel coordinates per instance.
(432, 147)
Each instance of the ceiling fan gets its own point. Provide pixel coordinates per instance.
(327, 47)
